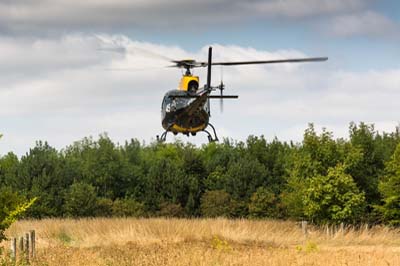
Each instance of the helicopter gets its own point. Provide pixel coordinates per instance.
(186, 110)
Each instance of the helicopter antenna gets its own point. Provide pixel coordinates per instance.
(209, 68)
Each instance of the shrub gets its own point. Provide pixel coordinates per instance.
(12, 206)
(263, 203)
(333, 198)
(389, 187)
(215, 203)
(80, 200)
(238, 209)
(104, 207)
(171, 210)
(127, 208)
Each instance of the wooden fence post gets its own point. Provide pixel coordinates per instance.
(13, 249)
(27, 247)
(21, 244)
(342, 228)
(304, 228)
(33, 243)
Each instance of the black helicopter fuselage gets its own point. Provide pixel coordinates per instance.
(185, 112)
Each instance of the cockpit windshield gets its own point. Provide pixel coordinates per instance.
(172, 103)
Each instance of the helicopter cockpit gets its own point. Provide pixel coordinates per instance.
(172, 104)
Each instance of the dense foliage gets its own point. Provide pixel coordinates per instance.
(12, 206)
(333, 197)
(322, 179)
(390, 188)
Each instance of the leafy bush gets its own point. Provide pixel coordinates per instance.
(216, 180)
(238, 209)
(171, 210)
(215, 203)
(263, 204)
(80, 200)
(104, 207)
(127, 208)
(12, 206)
(333, 198)
(390, 190)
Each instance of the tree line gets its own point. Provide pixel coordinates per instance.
(321, 179)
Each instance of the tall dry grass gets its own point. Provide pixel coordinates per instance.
(205, 242)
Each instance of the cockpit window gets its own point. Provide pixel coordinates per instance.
(171, 104)
(180, 102)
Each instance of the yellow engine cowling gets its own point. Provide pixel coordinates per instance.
(188, 80)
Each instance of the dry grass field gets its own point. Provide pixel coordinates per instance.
(204, 242)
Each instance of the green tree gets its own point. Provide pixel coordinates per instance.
(333, 198)
(9, 165)
(274, 156)
(386, 143)
(132, 154)
(263, 204)
(127, 208)
(101, 164)
(389, 187)
(314, 157)
(194, 179)
(12, 206)
(40, 175)
(80, 200)
(216, 180)
(321, 152)
(219, 155)
(215, 203)
(104, 207)
(367, 171)
(164, 177)
(244, 176)
(171, 210)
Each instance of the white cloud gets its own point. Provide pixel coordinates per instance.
(55, 16)
(305, 8)
(341, 18)
(70, 94)
(364, 24)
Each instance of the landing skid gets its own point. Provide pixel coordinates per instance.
(163, 137)
(210, 137)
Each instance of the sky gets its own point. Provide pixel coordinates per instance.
(71, 69)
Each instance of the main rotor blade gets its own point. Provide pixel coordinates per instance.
(133, 69)
(209, 96)
(296, 60)
(134, 50)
